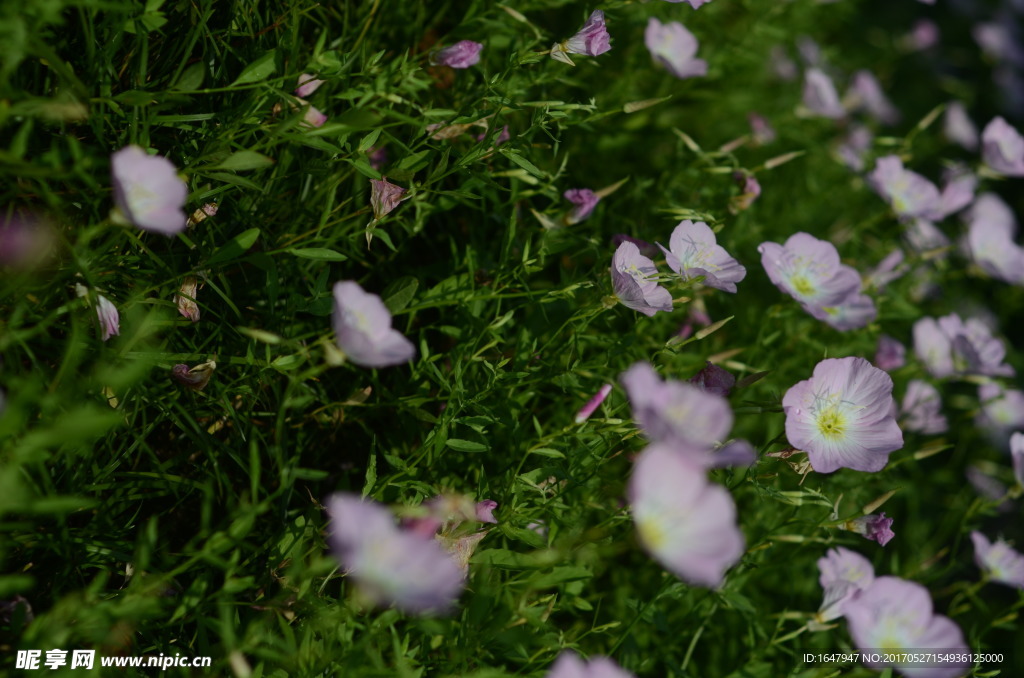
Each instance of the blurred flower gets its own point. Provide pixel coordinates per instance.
(750, 188)
(196, 378)
(384, 197)
(584, 199)
(26, 240)
(694, 252)
(999, 42)
(820, 96)
(923, 35)
(312, 116)
(924, 236)
(921, 409)
(782, 66)
(957, 192)
(855, 146)
(186, 298)
(148, 191)
(891, 354)
(1002, 411)
(502, 137)
(958, 128)
(110, 320)
(843, 416)
(1002, 148)
(362, 325)
(989, 488)
(390, 565)
(307, 85)
(591, 40)
(856, 311)
(675, 48)
(1017, 454)
(686, 523)
(809, 50)
(991, 229)
(890, 268)
(1000, 562)
(693, 3)
(866, 93)
(696, 314)
(569, 664)
(593, 403)
(714, 379)
(760, 129)
(462, 54)
(808, 270)
(645, 248)
(909, 193)
(843, 573)
(949, 346)
(893, 616)
(377, 157)
(633, 284)
(875, 527)
(201, 214)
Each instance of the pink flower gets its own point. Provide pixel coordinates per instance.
(820, 96)
(384, 196)
(462, 54)
(843, 573)
(921, 409)
(110, 320)
(856, 311)
(923, 35)
(808, 270)
(390, 565)
(990, 239)
(694, 252)
(1002, 148)
(958, 127)
(751, 191)
(633, 283)
(148, 191)
(909, 193)
(874, 527)
(593, 403)
(714, 379)
(687, 524)
(307, 85)
(1000, 562)
(866, 93)
(892, 615)
(924, 236)
(196, 378)
(584, 199)
(1002, 411)
(891, 354)
(890, 268)
(951, 346)
(646, 248)
(675, 48)
(843, 416)
(1017, 453)
(569, 665)
(312, 116)
(761, 130)
(855, 146)
(362, 325)
(591, 40)
(377, 157)
(485, 511)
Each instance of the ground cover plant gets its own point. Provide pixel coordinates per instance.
(536, 338)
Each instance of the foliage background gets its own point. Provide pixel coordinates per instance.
(212, 500)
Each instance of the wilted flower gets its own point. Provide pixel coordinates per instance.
(921, 409)
(760, 129)
(110, 320)
(893, 616)
(909, 193)
(362, 325)
(186, 298)
(1000, 562)
(808, 270)
(891, 354)
(307, 85)
(391, 566)
(751, 190)
(714, 379)
(866, 93)
(584, 199)
(593, 403)
(855, 146)
(843, 573)
(463, 54)
(1017, 454)
(694, 252)
(591, 40)
(196, 378)
(958, 127)
(820, 96)
(951, 346)
(875, 527)
(843, 416)
(1002, 148)
(675, 48)
(687, 524)
(201, 214)
(384, 197)
(569, 664)
(633, 284)
(148, 191)
(990, 239)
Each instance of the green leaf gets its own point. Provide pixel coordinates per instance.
(243, 160)
(316, 253)
(399, 293)
(367, 142)
(235, 247)
(258, 70)
(465, 445)
(523, 162)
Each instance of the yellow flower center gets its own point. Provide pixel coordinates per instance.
(831, 423)
(802, 285)
(651, 533)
